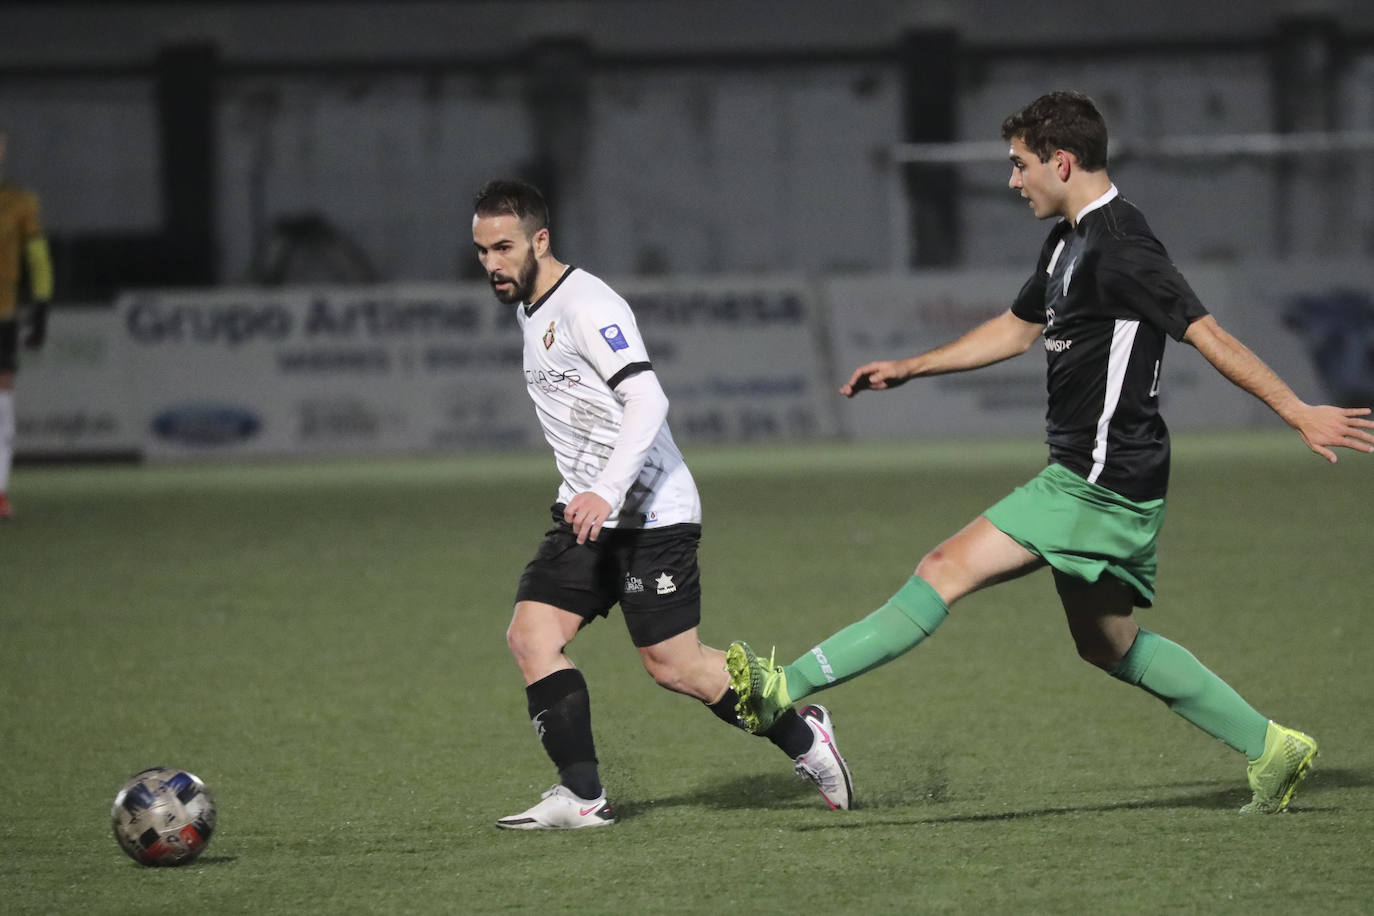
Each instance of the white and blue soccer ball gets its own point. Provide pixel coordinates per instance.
(163, 816)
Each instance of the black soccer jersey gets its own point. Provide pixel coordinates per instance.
(1108, 295)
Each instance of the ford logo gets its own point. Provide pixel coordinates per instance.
(206, 424)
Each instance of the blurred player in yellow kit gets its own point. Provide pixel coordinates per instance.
(21, 240)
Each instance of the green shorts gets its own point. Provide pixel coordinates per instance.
(1083, 529)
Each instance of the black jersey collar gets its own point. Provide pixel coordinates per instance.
(534, 306)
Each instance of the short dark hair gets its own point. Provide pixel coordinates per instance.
(512, 197)
(1061, 120)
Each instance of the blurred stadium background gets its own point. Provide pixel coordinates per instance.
(259, 210)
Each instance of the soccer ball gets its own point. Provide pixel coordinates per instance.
(163, 816)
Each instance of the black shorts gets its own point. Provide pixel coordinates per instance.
(9, 346)
(652, 573)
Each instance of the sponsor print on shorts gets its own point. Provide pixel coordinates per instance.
(664, 584)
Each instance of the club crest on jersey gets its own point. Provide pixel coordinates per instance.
(548, 336)
(614, 337)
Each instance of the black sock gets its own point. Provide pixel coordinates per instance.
(789, 732)
(582, 778)
(724, 708)
(560, 709)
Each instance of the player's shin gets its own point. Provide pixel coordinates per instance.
(789, 733)
(907, 618)
(560, 709)
(1189, 688)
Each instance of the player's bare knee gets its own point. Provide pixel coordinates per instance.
(515, 638)
(664, 671)
(930, 564)
(530, 646)
(670, 680)
(1100, 653)
(943, 573)
(676, 671)
(517, 643)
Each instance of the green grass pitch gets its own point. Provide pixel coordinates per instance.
(324, 645)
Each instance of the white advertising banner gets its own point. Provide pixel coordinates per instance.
(325, 370)
(72, 397)
(419, 368)
(895, 316)
(740, 359)
(437, 367)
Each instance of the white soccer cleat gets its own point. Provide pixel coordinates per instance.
(822, 764)
(560, 809)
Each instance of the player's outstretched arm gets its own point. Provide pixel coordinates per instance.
(1322, 427)
(991, 342)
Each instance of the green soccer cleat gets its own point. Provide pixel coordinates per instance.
(762, 689)
(1274, 777)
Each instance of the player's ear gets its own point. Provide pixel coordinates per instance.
(1064, 164)
(540, 241)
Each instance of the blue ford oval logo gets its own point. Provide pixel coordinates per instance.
(206, 424)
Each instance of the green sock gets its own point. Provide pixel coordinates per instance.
(907, 618)
(1173, 674)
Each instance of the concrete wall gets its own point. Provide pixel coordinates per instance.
(678, 156)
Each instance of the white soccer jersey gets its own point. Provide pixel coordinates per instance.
(581, 340)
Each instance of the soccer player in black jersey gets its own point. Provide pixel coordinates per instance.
(1103, 298)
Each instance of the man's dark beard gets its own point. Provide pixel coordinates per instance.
(522, 286)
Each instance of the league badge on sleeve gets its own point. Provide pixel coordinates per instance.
(614, 337)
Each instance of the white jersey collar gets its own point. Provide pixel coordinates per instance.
(1100, 202)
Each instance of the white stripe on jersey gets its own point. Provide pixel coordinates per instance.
(1118, 358)
(1054, 258)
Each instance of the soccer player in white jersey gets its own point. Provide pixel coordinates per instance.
(626, 522)
(1103, 299)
